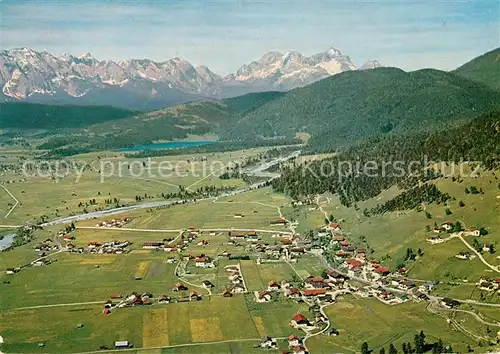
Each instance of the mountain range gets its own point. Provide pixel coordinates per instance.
(335, 112)
(32, 76)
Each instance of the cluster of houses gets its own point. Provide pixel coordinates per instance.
(98, 247)
(320, 290)
(187, 238)
(447, 227)
(236, 279)
(294, 344)
(46, 246)
(11, 271)
(146, 299)
(488, 284)
(250, 236)
(465, 255)
(114, 222)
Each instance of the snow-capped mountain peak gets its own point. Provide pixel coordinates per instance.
(280, 71)
(28, 74)
(371, 64)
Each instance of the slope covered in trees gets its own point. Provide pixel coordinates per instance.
(366, 169)
(166, 124)
(37, 116)
(484, 69)
(352, 106)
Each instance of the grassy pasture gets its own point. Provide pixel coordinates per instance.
(360, 320)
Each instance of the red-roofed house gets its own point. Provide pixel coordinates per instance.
(203, 262)
(382, 270)
(314, 292)
(338, 238)
(293, 341)
(334, 226)
(353, 263)
(299, 321)
(447, 225)
(299, 349)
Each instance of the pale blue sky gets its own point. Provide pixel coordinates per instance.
(225, 34)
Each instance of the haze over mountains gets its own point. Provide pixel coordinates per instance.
(41, 77)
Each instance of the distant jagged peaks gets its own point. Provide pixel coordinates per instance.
(292, 69)
(30, 75)
(371, 64)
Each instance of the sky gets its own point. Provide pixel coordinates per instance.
(223, 35)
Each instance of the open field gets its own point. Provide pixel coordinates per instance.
(259, 208)
(75, 278)
(90, 177)
(360, 320)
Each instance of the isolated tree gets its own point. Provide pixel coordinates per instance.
(382, 350)
(364, 348)
(461, 203)
(392, 349)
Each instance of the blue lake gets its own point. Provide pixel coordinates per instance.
(169, 145)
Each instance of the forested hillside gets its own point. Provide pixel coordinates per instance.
(366, 169)
(37, 116)
(352, 106)
(484, 69)
(166, 124)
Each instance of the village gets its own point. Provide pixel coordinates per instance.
(197, 255)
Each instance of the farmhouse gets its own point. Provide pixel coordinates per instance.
(334, 226)
(252, 236)
(463, 255)
(449, 303)
(293, 341)
(273, 286)
(268, 343)
(315, 283)
(295, 251)
(447, 225)
(238, 289)
(335, 276)
(473, 231)
(207, 284)
(281, 221)
(164, 299)
(203, 262)
(152, 245)
(299, 349)
(314, 292)
(353, 263)
(381, 270)
(121, 344)
(170, 248)
(194, 296)
(179, 287)
(234, 235)
(293, 293)
(263, 296)
(299, 321)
